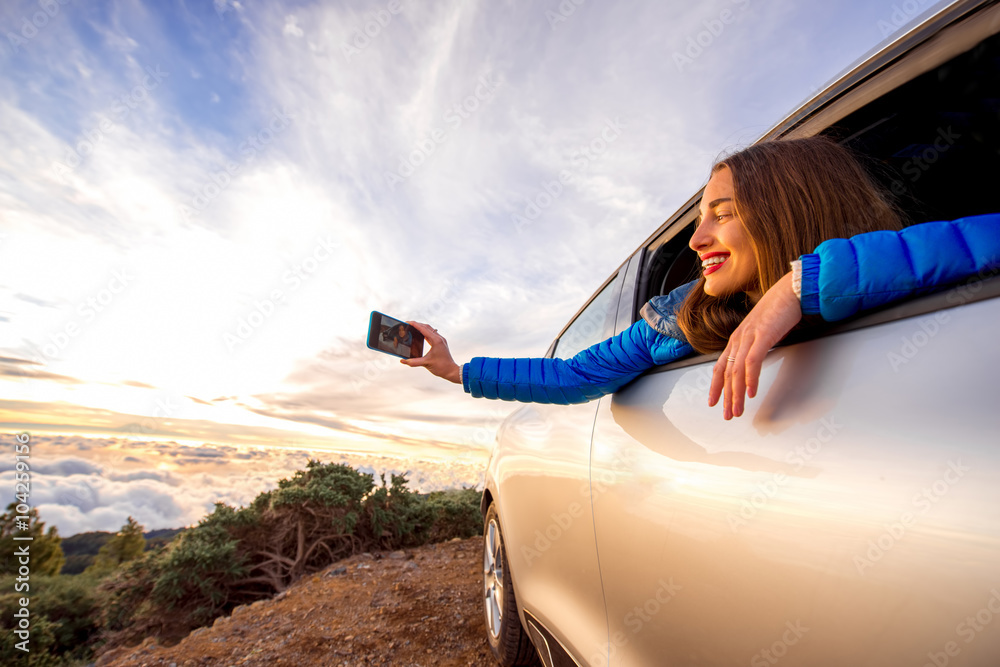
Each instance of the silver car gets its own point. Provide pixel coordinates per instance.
(851, 516)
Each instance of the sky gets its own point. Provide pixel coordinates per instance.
(201, 203)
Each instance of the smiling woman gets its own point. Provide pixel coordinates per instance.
(725, 248)
(788, 229)
(762, 208)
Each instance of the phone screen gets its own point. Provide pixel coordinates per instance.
(392, 336)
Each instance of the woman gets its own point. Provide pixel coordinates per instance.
(788, 229)
(398, 338)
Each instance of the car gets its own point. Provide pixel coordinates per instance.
(850, 516)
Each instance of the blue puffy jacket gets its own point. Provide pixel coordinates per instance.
(839, 279)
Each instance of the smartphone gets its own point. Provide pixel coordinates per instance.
(389, 335)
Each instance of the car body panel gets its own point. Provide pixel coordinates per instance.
(831, 505)
(547, 521)
(545, 507)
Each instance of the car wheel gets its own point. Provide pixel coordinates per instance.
(508, 640)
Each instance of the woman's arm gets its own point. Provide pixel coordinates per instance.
(600, 369)
(594, 372)
(845, 276)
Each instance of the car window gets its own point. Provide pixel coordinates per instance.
(934, 141)
(591, 325)
(670, 262)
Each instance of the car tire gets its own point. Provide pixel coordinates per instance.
(509, 642)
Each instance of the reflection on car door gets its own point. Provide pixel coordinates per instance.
(844, 516)
(544, 498)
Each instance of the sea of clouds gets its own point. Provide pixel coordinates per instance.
(81, 484)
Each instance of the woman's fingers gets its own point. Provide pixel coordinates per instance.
(727, 391)
(438, 359)
(429, 332)
(737, 378)
(718, 379)
(770, 320)
(754, 363)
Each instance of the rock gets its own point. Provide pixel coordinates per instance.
(110, 656)
(239, 611)
(398, 555)
(364, 566)
(198, 632)
(410, 565)
(337, 572)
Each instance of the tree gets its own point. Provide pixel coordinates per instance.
(127, 544)
(44, 549)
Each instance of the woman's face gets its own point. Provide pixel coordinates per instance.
(727, 259)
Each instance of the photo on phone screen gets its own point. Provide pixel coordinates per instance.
(389, 335)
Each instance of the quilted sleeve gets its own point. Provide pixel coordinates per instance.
(600, 369)
(845, 276)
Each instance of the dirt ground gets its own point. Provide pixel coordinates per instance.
(418, 607)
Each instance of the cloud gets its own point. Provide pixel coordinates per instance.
(168, 485)
(67, 467)
(23, 369)
(164, 477)
(291, 28)
(208, 199)
(16, 361)
(34, 300)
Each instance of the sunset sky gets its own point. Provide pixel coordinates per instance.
(201, 203)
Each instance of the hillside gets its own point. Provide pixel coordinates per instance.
(81, 549)
(406, 608)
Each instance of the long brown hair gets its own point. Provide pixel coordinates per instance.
(790, 196)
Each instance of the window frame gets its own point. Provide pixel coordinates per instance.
(610, 316)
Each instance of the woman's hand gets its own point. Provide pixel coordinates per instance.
(770, 320)
(438, 359)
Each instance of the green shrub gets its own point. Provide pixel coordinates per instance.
(456, 514)
(64, 620)
(239, 555)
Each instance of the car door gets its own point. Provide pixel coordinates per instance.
(848, 517)
(544, 497)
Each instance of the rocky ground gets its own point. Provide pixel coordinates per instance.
(418, 607)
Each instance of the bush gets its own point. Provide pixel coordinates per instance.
(239, 555)
(64, 620)
(456, 514)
